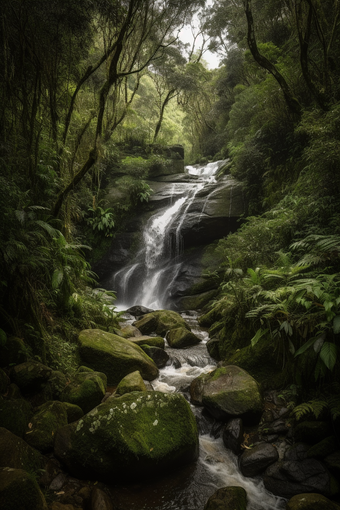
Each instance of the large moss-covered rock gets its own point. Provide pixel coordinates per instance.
(131, 382)
(179, 338)
(114, 355)
(227, 498)
(48, 418)
(311, 501)
(13, 352)
(160, 322)
(159, 356)
(17, 454)
(74, 412)
(129, 437)
(20, 491)
(15, 414)
(86, 390)
(154, 341)
(31, 376)
(228, 392)
(128, 331)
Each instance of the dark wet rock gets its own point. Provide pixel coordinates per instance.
(138, 310)
(323, 448)
(233, 498)
(100, 500)
(19, 490)
(160, 322)
(254, 461)
(179, 338)
(129, 437)
(31, 376)
(311, 501)
(4, 382)
(228, 392)
(15, 414)
(17, 454)
(275, 427)
(159, 356)
(332, 461)
(175, 362)
(115, 356)
(213, 348)
(289, 478)
(312, 432)
(233, 435)
(43, 426)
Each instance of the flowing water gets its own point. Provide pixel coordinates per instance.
(190, 487)
(150, 278)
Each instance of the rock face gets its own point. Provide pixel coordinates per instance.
(114, 355)
(228, 392)
(129, 437)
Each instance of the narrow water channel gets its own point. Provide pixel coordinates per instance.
(190, 487)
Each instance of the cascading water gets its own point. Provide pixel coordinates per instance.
(191, 486)
(149, 279)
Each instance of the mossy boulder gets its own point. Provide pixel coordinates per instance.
(228, 392)
(74, 412)
(139, 434)
(114, 355)
(17, 454)
(43, 426)
(196, 301)
(31, 376)
(159, 356)
(131, 382)
(15, 414)
(160, 322)
(57, 383)
(13, 352)
(213, 348)
(233, 498)
(311, 501)
(179, 338)
(20, 491)
(128, 331)
(85, 389)
(154, 341)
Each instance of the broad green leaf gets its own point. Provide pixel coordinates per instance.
(259, 334)
(328, 354)
(305, 346)
(336, 325)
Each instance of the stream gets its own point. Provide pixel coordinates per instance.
(191, 486)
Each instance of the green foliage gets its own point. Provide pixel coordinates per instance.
(102, 220)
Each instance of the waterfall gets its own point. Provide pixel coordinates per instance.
(150, 278)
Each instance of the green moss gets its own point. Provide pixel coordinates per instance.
(197, 301)
(16, 453)
(49, 417)
(19, 490)
(14, 415)
(131, 382)
(154, 341)
(86, 390)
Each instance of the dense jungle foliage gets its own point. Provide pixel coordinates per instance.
(89, 92)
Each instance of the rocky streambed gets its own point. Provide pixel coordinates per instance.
(151, 422)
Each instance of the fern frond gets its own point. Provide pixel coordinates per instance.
(314, 407)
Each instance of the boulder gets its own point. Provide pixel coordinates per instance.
(311, 501)
(13, 352)
(48, 418)
(159, 356)
(228, 392)
(100, 500)
(139, 434)
(213, 348)
(160, 322)
(227, 498)
(128, 331)
(19, 490)
(15, 414)
(288, 478)
(254, 461)
(138, 310)
(179, 338)
(115, 356)
(74, 412)
(131, 382)
(31, 376)
(85, 389)
(57, 383)
(233, 435)
(312, 432)
(154, 341)
(17, 454)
